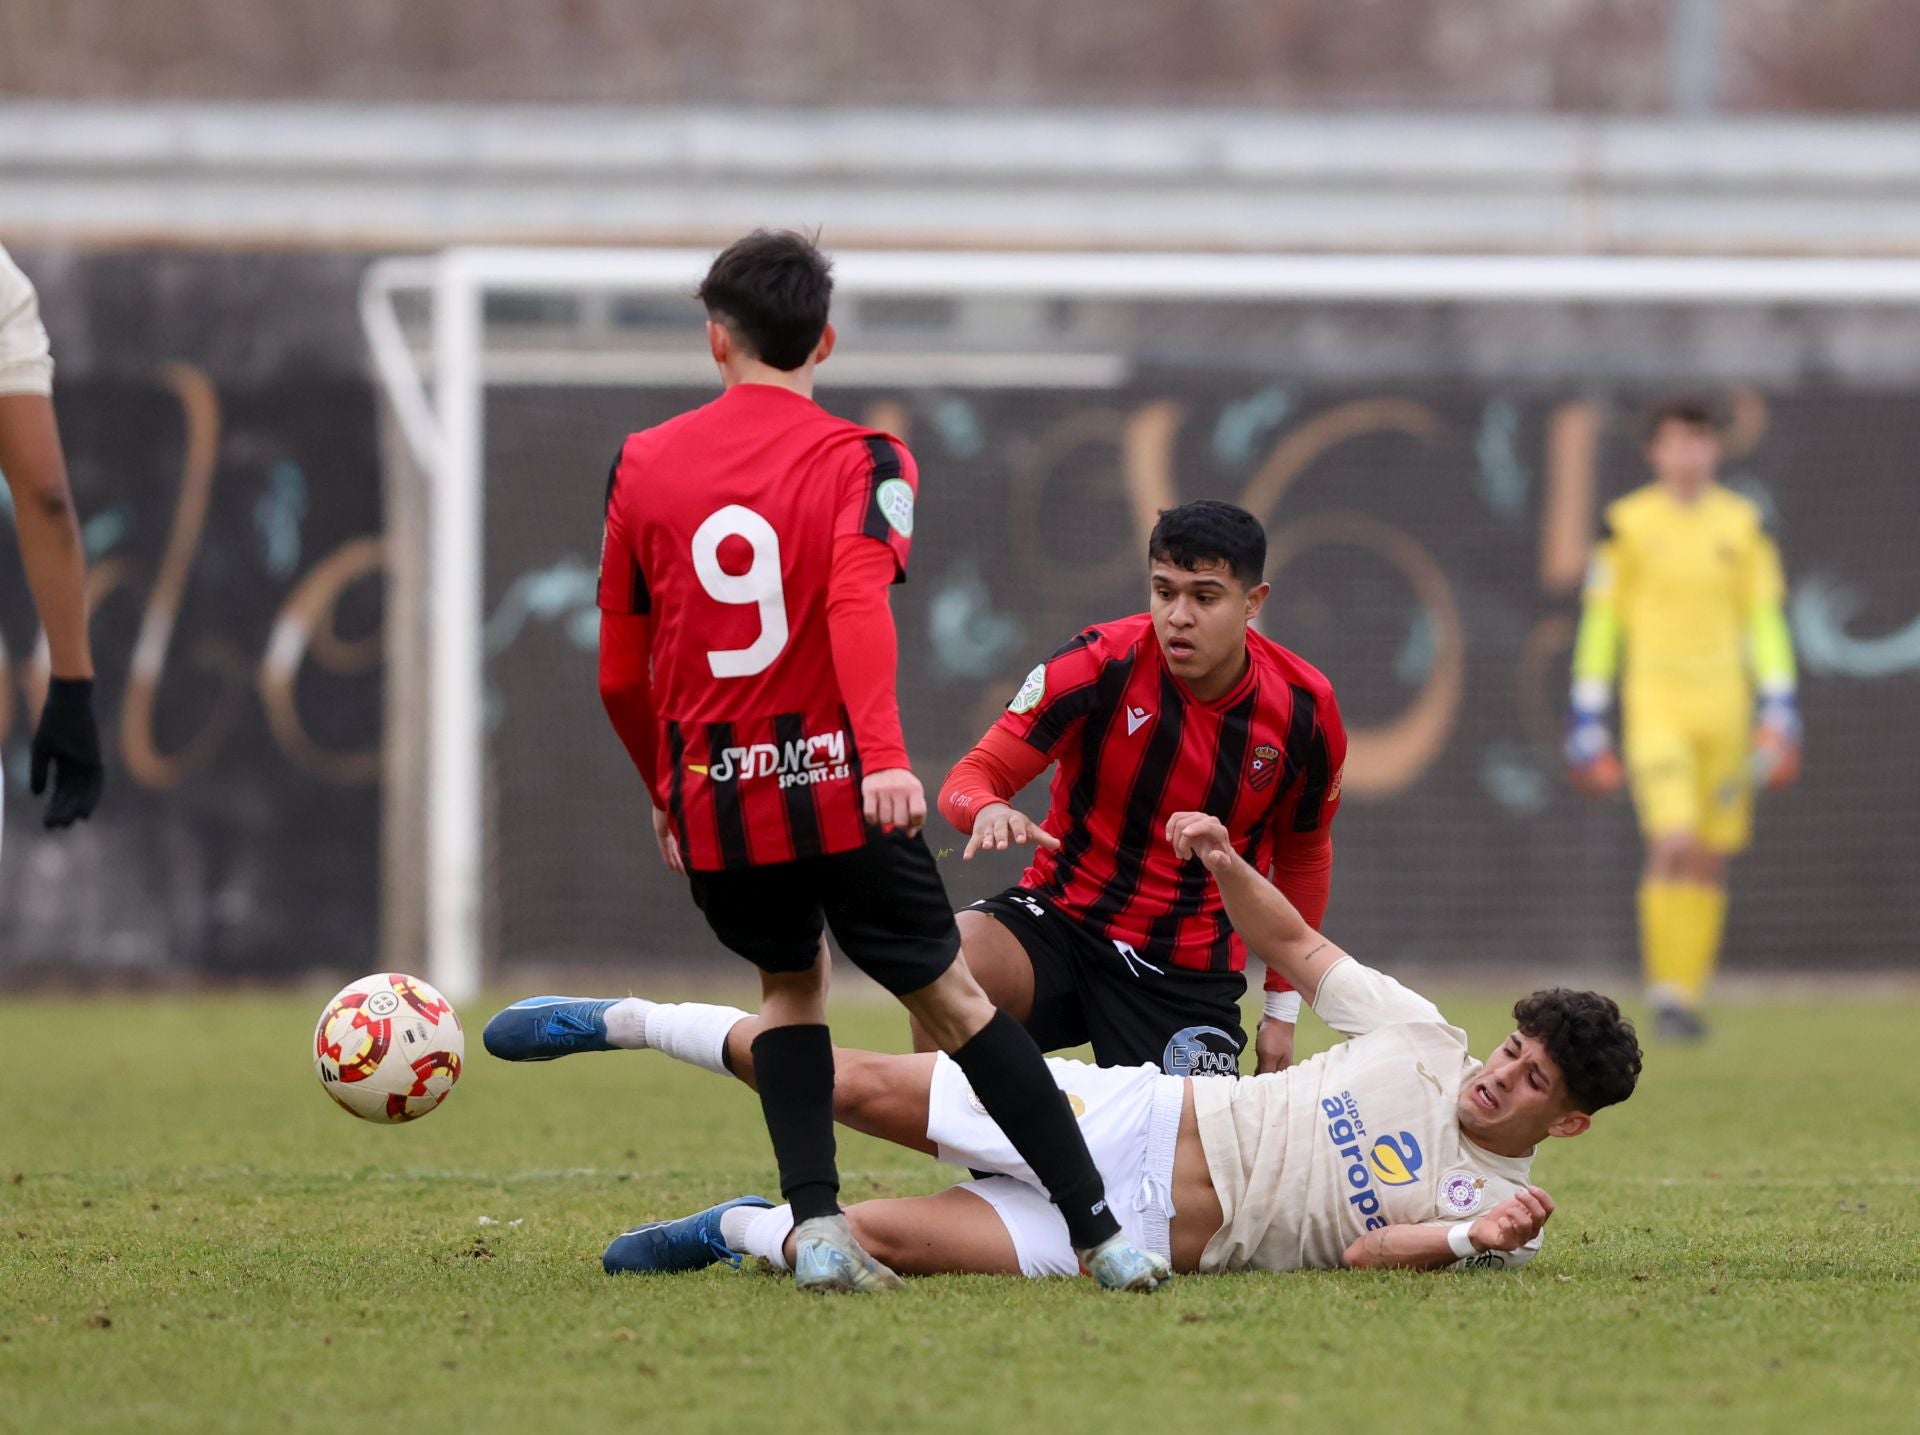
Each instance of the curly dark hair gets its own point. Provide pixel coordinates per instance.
(1593, 1045)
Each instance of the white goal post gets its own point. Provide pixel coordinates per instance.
(437, 394)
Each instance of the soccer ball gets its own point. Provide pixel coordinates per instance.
(388, 1048)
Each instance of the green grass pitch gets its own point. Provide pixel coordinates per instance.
(192, 1238)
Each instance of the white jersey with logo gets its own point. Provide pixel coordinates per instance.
(26, 361)
(1366, 1135)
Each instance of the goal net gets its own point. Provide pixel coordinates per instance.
(1429, 441)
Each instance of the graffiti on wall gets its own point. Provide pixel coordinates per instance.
(1427, 550)
(235, 563)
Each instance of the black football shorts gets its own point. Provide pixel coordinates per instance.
(1135, 1008)
(884, 903)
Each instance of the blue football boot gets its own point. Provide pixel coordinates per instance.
(691, 1243)
(543, 1028)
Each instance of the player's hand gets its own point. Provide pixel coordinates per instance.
(1202, 835)
(894, 800)
(1591, 762)
(67, 745)
(1272, 1046)
(664, 834)
(1776, 744)
(998, 826)
(1514, 1222)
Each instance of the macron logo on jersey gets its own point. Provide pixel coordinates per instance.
(1137, 718)
(800, 763)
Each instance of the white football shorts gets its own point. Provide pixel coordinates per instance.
(26, 359)
(1130, 1116)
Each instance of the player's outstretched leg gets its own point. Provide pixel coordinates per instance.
(884, 1095)
(545, 1028)
(1009, 1075)
(689, 1244)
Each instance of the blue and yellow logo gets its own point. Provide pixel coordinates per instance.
(1396, 1160)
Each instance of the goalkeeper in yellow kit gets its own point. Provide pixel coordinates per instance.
(1689, 584)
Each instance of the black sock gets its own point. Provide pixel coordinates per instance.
(1008, 1074)
(793, 1067)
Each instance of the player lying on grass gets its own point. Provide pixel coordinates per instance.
(1395, 1148)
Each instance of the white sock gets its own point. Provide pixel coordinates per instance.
(693, 1032)
(765, 1235)
(627, 1023)
(734, 1225)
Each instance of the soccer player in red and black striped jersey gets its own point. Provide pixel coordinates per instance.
(1109, 938)
(747, 660)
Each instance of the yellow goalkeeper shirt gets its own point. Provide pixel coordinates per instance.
(1692, 591)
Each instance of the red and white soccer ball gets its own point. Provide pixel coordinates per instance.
(388, 1048)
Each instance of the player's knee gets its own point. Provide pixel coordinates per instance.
(856, 1086)
(951, 1009)
(1707, 867)
(997, 961)
(880, 1228)
(1669, 856)
(787, 998)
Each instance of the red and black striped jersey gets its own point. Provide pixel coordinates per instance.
(721, 525)
(1134, 747)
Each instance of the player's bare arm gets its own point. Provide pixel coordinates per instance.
(1271, 926)
(66, 745)
(1507, 1227)
(49, 530)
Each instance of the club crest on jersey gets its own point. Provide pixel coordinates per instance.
(1461, 1191)
(1031, 691)
(894, 498)
(1263, 766)
(800, 763)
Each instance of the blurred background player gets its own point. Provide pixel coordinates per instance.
(1108, 938)
(66, 746)
(1688, 582)
(747, 660)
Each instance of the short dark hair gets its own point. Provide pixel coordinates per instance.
(1695, 413)
(1593, 1045)
(772, 290)
(1209, 531)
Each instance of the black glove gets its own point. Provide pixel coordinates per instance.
(67, 736)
